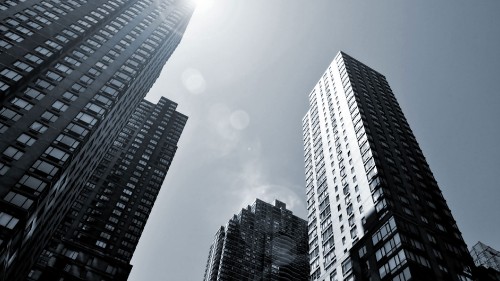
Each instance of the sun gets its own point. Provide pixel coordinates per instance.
(203, 5)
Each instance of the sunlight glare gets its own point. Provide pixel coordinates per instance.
(203, 6)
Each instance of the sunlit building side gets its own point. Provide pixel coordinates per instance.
(375, 209)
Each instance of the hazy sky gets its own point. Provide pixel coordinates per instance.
(243, 73)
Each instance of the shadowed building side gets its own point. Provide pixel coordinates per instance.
(262, 242)
(97, 239)
(71, 74)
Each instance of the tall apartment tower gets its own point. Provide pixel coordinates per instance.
(98, 236)
(71, 73)
(263, 242)
(375, 209)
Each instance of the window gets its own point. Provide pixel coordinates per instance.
(33, 183)
(43, 51)
(26, 139)
(403, 276)
(21, 104)
(68, 141)
(77, 28)
(4, 44)
(53, 76)
(56, 154)
(95, 108)
(388, 248)
(13, 153)
(3, 169)
(78, 130)
(44, 84)
(59, 106)
(21, 17)
(38, 127)
(62, 38)
(12, 22)
(33, 58)
(33, 94)
(86, 80)
(14, 37)
(78, 88)
(80, 55)
(94, 72)
(8, 221)
(393, 264)
(346, 266)
(69, 33)
(69, 96)
(87, 49)
(86, 118)
(31, 24)
(63, 68)
(18, 200)
(9, 114)
(72, 61)
(45, 168)
(49, 116)
(103, 100)
(4, 86)
(384, 231)
(53, 45)
(11, 74)
(23, 66)
(71, 254)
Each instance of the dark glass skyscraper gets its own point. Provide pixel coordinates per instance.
(97, 238)
(486, 256)
(71, 73)
(262, 242)
(375, 209)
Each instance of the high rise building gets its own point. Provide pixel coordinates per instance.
(71, 73)
(375, 209)
(97, 238)
(262, 242)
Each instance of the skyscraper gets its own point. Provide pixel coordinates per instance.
(97, 238)
(262, 242)
(71, 73)
(375, 209)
